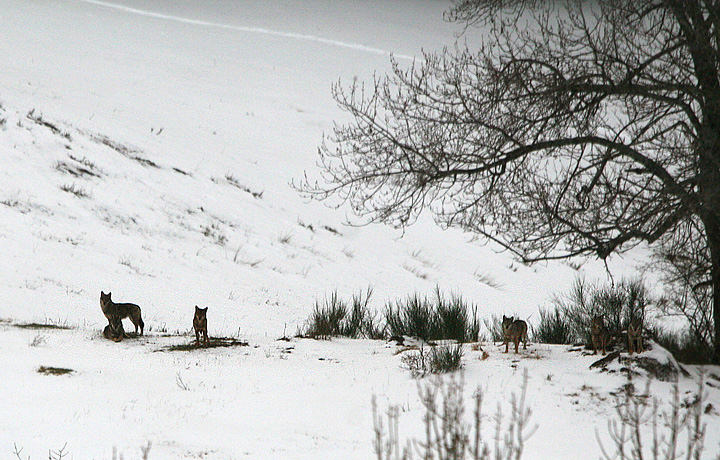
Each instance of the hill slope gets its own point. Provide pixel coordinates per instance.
(146, 149)
(184, 125)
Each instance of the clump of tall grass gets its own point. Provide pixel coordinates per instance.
(440, 359)
(553, 328)
(494, 327)
(437, 318)
(335, 317)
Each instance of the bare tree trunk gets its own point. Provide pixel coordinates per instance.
(709, 188)
(714, 242)
(700, 44)
(710, 191)
(712, 229)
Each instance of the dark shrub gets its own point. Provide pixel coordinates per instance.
(326, 319)
(553, 328)
(444, 359)
(618, 305)
(440, 318)
(457, 320)
(413, 317)
(494, 327)
(361, 322)
(433, 360)
(685, 347)
(333, 318)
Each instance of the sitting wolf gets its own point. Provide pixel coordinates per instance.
(114, 330)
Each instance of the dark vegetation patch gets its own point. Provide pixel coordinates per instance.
(336, 317)
(74, 170)
(10, 202)
(433, 360)
(144, 161)
(215, 342)
(122, 149)
(232, 180)
(494, 328)
(433, 318)
(36, 326)
(48, 370)
(51, 126)
(310, 227)
(83, 161)
(331, 230)
(619, 305)
(553, 328)
(429, 318)
(665, 372)
(180, 171)
(686, 347)
(75, 190)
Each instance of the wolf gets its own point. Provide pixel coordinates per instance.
(635, 342)
(200, 325)
(515, 330)
(121, 310)
(114, 330)
(599, 335)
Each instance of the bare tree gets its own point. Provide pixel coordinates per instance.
(684, 260)
(575, 127)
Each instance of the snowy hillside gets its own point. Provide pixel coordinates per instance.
(146, 148)
(180, 134)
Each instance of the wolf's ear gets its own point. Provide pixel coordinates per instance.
(204, 309)
(512, 318)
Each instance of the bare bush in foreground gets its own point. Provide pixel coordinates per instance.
(448, 435)
(678, 432)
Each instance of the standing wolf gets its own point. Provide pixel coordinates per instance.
(200, 325)
(515, 330)
(121, 310)
(635, 341)
(599, 335)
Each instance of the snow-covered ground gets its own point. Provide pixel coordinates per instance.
(146, 148)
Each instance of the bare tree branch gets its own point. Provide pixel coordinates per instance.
(574, 128)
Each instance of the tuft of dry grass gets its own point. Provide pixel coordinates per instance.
(215, 342)
(48, 370)
(42, 326)
(75, 190)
